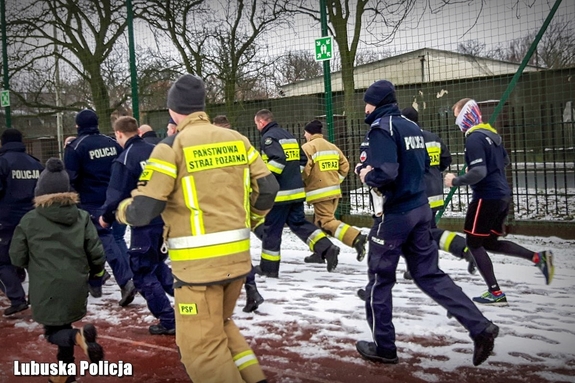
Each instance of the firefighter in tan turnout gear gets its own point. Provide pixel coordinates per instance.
(325, 170)
(208, 183)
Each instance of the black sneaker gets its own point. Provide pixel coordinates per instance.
(15, 309)
(314, 258)
(369, 351)
(86, 339)
(330, 256)
(359, 246)
(407, 275)
(361, 294)
(128, 293)
(484, 344)
(159, 329)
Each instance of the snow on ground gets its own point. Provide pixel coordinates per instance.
(538, 327)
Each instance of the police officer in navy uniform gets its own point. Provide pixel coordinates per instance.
(19, 173)
(394, 161)
(152, 277)
(285, 159)
(88, 160)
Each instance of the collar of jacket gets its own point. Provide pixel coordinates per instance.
(88, 130)
(13, 147)
(314, 136)
(132, 140)
(269, 126)
(192, 119)
(151, 133)
(481, 126)
(383, 110)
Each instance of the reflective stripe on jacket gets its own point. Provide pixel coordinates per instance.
(209, 179)
(285, 159)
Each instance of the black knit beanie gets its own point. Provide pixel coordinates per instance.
(187, 95)
(314, 127)
(87, 118)
(411, 113)
(380, 93)
(53, 179)
(11, 135)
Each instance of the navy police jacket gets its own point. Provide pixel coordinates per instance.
(19, 174)
(285, 159)
(126, 171)
(88, 160)
(394, 147)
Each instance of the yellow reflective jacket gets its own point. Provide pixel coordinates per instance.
(213, 185)
(325, 169)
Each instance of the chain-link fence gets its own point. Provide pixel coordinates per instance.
(64, 55)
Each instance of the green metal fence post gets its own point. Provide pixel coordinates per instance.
(327, 77)
(507, 92)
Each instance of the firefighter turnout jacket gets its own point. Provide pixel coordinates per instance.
(440, 159)
(210, 185)
(285, 159)
(325, 170)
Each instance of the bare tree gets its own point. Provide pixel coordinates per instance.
(471, 47)
(296, 66)
(556, 49)
(347, 20)
(181, 22)
(84, 33)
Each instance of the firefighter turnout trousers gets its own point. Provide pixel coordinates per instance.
(324, 217)
(218, 352)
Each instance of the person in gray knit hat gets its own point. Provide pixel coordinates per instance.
(59, 245)
(53, 179)
(211, 186)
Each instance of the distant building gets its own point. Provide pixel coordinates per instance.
(424, 65)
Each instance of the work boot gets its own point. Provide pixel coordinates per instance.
(253, 299)
(471, 266)
(15, 309)
(407, 275)
(361, 294)
(95, 291)
(314, 258)
(369, 351)
(484, 344)
(270, 274)
(128, 293)
(330, 256)
(159, 329)
(359, 246)
(86, 339)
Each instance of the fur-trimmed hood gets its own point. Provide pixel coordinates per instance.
(64, 199)
(58, 207)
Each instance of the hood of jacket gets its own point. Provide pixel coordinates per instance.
(58, 207)
(487, 130)
(13, 147)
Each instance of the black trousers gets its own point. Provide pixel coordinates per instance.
(64, 337)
